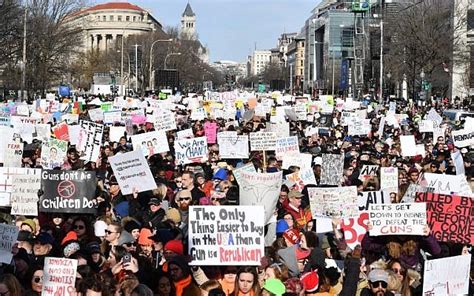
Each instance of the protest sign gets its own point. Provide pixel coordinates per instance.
(68, 192)
(24, 195)
(331, 169)
(59, 276)
(366, 198)
(210, 130)
(8, 237)
(463, 138)
(198, 114)
(116, 132)
(398, 219)
(190, 150)
(458, 162)
(286, 145)
(43, 131)
(90, 145)
(359, 127)
(226, 235)
(96, 114)
(185, 134)
(164, 120)
(425, 126)
(381, 127)
(61, 131)
(408, 145)
(13, 155)
(151, 143)
(280, 128)
(132, 172)
(24, 127)
(450, 217)
(232, 145)
(260, 189)
(6, 181)
(335, 202)
(411, 191)
(53, 153)
(447, 184)
(447, 276)
(368, 171)
(262, 141)
(434, 116)
(389, 179)
(301, 160)
(249, 168)
(112, 117)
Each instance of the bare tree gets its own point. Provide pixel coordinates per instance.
(10, 30)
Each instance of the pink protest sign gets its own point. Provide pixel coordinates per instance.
(210, 129)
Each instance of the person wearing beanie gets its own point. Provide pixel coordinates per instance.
(273, 287)
(145, 243)
(310, 282)
(70, 236)
(281, 227)
(132, 227)
(70, 248)
(29, 225)
(220, 174)
(99, 229)
(180, 274)
(173, 248)
(127, 241)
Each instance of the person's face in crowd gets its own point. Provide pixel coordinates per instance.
(414, 177)
(184, 200)
(114, 189)
(21, 267)
(301, 264)
(18, 224)
(4, 290)
(57, 221)
(107, 151)
(40, 249)
(112, 260)
(317, 171)
(348, 172)
(164, 286)
(245, 282)
(269, 273)
(122, 141)
(440, 140)
(354, 163)
(187, 181)
(26, 227)
(95, 257)
(135, 233)
(289, 220)
(283, 196)
(398, 270)
(295, 201)
(91, 292)
(393, 197)
(79, 228)
(146, 249)
(25, 245)
(154, 208)
(157, 246)
(111, 234)
(200, 180)
(229, 277)
(37, 281)
(131, 247)
(402, 178)
(433, 168)
(378, 288)
(176, 273)
(179, 183)
(53, 153)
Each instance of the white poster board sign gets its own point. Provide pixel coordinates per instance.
(389, 179)
(447, 276)
(151, 143)
(397, 219)
(9, 235)
(232, 145)
(226, 235)
(286, 145)
(132, 171)
(24, 196)
(59, 276)
(408, 145)
(190, 150)
(335, 202)
(93, 140)
(262, 141)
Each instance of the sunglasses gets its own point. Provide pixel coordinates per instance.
(80, 227)
(215, 198)
(109, 232)
(131, 244)
(398, 270)
(184, 199)
(37, 279)
(378, 284)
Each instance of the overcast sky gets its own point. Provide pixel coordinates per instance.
(230, 28)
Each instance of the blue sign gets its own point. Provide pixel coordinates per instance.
(64, 91)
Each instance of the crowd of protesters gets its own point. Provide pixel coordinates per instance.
(137, 243)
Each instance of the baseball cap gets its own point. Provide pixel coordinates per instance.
(376, 275)
(44, 238)
(294, 193)
(154, 201)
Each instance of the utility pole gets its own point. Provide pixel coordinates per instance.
(382, 3)
(122, 85)
(24, 96)
(136, 68)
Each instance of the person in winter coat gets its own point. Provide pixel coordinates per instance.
(180, 273)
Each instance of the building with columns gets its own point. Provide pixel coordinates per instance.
(104, 25)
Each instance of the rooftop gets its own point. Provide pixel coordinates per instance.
(113, 6)
(188, 11)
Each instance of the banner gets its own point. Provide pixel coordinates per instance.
(232, 145)
(332, 169)
(6, 181)
(226, 235)
(447, 276)
(93, 139)
(59, 276)
(13, 155)
(389, 179)
(286, 145)
(463, 138)
(450, 217)
(399, 219)
(8, 235)
(151, 143)
(53, 153)
(68, 192)
(210, 130)
(257, 189)
(333, 202)
(447, 184)
(262, 141)
(368, 171)
(132, 171)
(24, 196)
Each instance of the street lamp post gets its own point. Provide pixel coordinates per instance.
(167, 56)
(389, 75)
(151, 60)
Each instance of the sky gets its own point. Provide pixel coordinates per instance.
(231, 28)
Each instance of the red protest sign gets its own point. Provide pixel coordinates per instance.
(450, 217)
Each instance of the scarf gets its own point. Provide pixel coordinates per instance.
(251, 293)
(180, 285)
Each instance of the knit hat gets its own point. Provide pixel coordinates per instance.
(275, 286)
(143, 238)
(281, 226)
(310, 281)
(99, 228)
(25, 236)
(93, 247)
(292, 235)
(181, 262)
(122, 209)
(221, 174)
(45, 238)
(70, 248)
(176, 246)
(302, 253)
(163, 236)
(131, 225)
(173, 215)
(125, 238)
(31, 224)
(70, 236)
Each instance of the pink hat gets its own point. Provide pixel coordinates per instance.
(310, 281)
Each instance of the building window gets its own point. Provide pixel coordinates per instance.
(134, 18)
(127, 18)
(111, 18)
(301, 63)
(119, 18)
(98, 17)
(104, 18)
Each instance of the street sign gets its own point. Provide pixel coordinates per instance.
(360, 6)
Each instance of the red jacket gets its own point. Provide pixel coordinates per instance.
(302, 216)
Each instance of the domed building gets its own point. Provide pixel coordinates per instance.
(104, 25)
